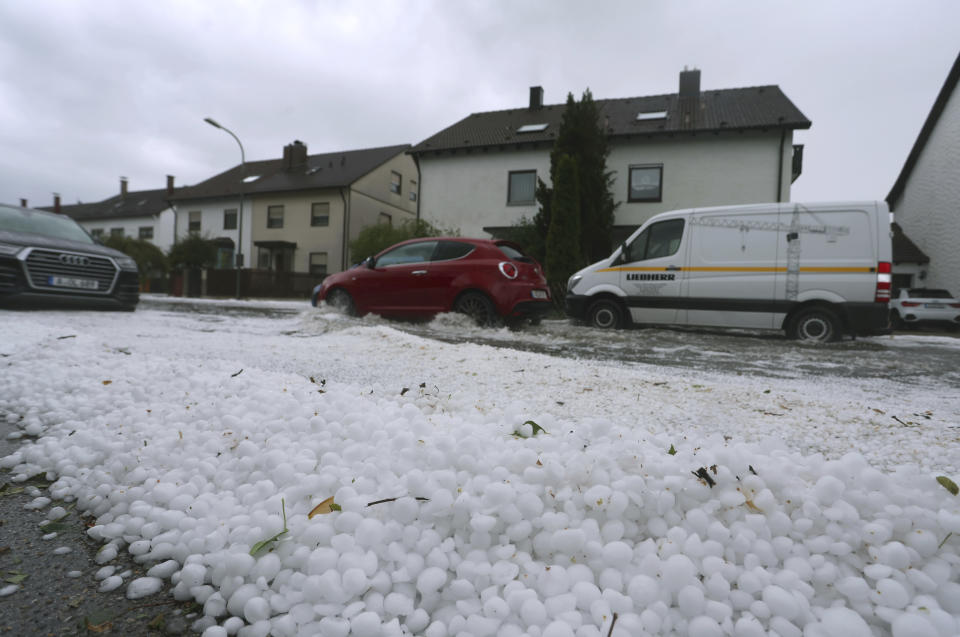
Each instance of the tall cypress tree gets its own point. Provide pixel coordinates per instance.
(582, 136)
(564, 256)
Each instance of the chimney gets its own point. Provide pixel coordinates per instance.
(23, 203)
(56, 202)
(294, 155)
(123, 186)
(536, 98)
(689, 84)
(169, 184)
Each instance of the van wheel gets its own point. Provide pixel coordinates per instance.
(478, 307)
(815, 325)
(605, 314)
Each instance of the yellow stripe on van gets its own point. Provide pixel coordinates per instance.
(823, 270)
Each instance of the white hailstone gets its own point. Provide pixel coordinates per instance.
(233, 625)
(431, 579)
(140, 547)
(355, 581)
(652, 622)
(369, 532)
(617, 553)
(949, 520)
(749, 626)
(568, 541)
(417, 621)
(894, 555)
(559, 604)
(398, 604)
(332, 627)
(481, 626)
(105, 554)
(62, 550)
(704, 626)
(256, 609)
(912, 625)
(74, 574)
(780, 602)
(322, 560)
(877, 571)
(890, 593)
(496, 607)
(497, 494)
(302, 613)
(585, 593)
(164, 570)
(503, 572)
(690, 600)
(530, 505)
(677, 571)
(643, 590)
(557, 629)
(56, 513)
(267, 566)
(828, 490)
(215, 631)
(111, 583)
(533, 612)
(839, 621)
(923, 541)
(193, 574)
(143, 586)
(240, 597)
(104, 572)
(949, 597)
(239, 563)
(10, 589)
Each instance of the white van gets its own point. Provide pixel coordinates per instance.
(817, 271)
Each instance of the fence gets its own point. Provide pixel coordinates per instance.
(253, 283)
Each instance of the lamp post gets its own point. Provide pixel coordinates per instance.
(243, 170)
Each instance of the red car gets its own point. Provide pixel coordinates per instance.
(488, 279)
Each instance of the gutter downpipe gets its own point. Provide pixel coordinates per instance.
(416, 161)
(345, 248)
(783, 139)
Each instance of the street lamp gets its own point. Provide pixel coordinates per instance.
(243, 170)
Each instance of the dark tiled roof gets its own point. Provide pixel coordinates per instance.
(138, 203)
(905, 250)
(327, 170)
(715, 110)
(953, 77)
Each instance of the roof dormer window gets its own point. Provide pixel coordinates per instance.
(651, 115)
(532, 128)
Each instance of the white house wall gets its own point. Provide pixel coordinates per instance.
(211, 221)
(162, 225)
(928, 210)
(469, 191)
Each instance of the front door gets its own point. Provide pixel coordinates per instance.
(651, 273)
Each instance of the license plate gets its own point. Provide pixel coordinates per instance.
(71, 282)
(539, 294)
(934, 306)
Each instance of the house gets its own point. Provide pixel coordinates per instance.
(686, 149)
(925, 198)
(301, 211)
(141, 214)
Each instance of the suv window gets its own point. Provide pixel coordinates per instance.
(921, 293)
(659, 240)
(410, 253)
(447, 250)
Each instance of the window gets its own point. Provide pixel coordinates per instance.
(662, 239)
(275, 216)
(385, 219)
(230, 219)
(318, 263)
(194, 223)
(643, 116)
(96, 233)
(645, 183)
(521, 187)
(263, 259)
(410, 253)
(116, 232)
(145, 232)
(532, 128)
(447, 250)
(395, 180)
(320, 214)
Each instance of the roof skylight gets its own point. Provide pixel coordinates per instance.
(250, 178)
(652, 115)
(532, 128)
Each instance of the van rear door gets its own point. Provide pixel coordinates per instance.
(651, 271)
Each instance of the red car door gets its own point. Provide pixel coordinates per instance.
(399, 279)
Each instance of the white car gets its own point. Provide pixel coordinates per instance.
(923, 306)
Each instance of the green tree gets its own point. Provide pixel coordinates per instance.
(564, 256)
(377, 237)
(582, 136)
(150, 259)
(193, 252)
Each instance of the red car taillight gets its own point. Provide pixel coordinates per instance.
(884, 279)
(508, 270)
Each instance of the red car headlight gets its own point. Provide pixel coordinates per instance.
(508, 270)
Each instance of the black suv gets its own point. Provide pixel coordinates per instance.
(47, 258)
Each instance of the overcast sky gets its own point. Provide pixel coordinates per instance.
(94, 90)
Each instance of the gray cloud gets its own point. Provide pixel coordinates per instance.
(95, 90)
